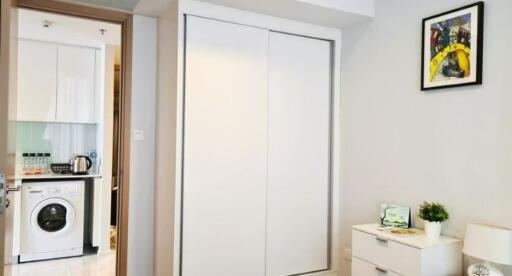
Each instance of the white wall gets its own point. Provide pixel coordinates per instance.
(142, 160)
(402, 145)
(166, 139)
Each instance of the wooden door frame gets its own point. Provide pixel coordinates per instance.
(6, 133)
(126, 21)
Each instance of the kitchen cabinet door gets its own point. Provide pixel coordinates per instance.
(225, 149)
(37, 81)
(101, 213)
(298, 201)
(76, 84)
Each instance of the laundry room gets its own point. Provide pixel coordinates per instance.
(61, 215)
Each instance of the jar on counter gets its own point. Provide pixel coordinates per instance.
(39, 163)
(26, 162)
(47, 162)
(32, 160)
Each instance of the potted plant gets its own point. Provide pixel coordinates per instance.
(433, 214)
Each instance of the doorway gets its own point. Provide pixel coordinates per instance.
(68, 123)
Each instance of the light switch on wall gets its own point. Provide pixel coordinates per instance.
(138, 135)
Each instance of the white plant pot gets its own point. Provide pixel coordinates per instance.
(484, 269)
(433, 229)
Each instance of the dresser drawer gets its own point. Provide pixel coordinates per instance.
(385, 253)
(363, 268)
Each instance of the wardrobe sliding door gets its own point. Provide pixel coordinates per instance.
(225, 149)
(298, 155)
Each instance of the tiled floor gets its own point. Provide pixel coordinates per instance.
(90, 265)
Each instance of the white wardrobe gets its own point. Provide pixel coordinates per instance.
(256, 180)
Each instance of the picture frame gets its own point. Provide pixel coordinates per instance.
(392, 215)
(452, 48)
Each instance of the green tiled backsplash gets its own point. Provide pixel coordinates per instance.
(30, 138)
(62, 140)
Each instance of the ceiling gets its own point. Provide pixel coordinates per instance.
(331, 13)
(153, 7)
(67, 29)
(363, 7)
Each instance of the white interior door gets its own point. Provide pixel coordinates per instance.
(225, 149)
(298, 155)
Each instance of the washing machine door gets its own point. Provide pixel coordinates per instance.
(53, 216)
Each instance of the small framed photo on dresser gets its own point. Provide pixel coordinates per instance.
(395, 216)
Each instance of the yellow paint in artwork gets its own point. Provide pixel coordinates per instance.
(463, 61)
(462, 53)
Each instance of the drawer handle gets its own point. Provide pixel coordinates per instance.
(382, 270)
(381, 239)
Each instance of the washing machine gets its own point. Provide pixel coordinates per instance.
(52, 220)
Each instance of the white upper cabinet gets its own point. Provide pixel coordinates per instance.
(37, 81)
(76, 84)
(56, 83)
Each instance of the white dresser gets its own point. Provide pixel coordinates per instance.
(378, 253)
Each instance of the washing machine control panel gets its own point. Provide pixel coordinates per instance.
(52, 190)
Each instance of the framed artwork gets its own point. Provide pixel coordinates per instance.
(452, 48)
(395, 216)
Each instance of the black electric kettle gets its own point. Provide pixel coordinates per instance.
(80, 164)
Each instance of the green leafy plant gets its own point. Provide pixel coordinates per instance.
(433, 212)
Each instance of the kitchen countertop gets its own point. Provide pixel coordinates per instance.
(55, 176)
